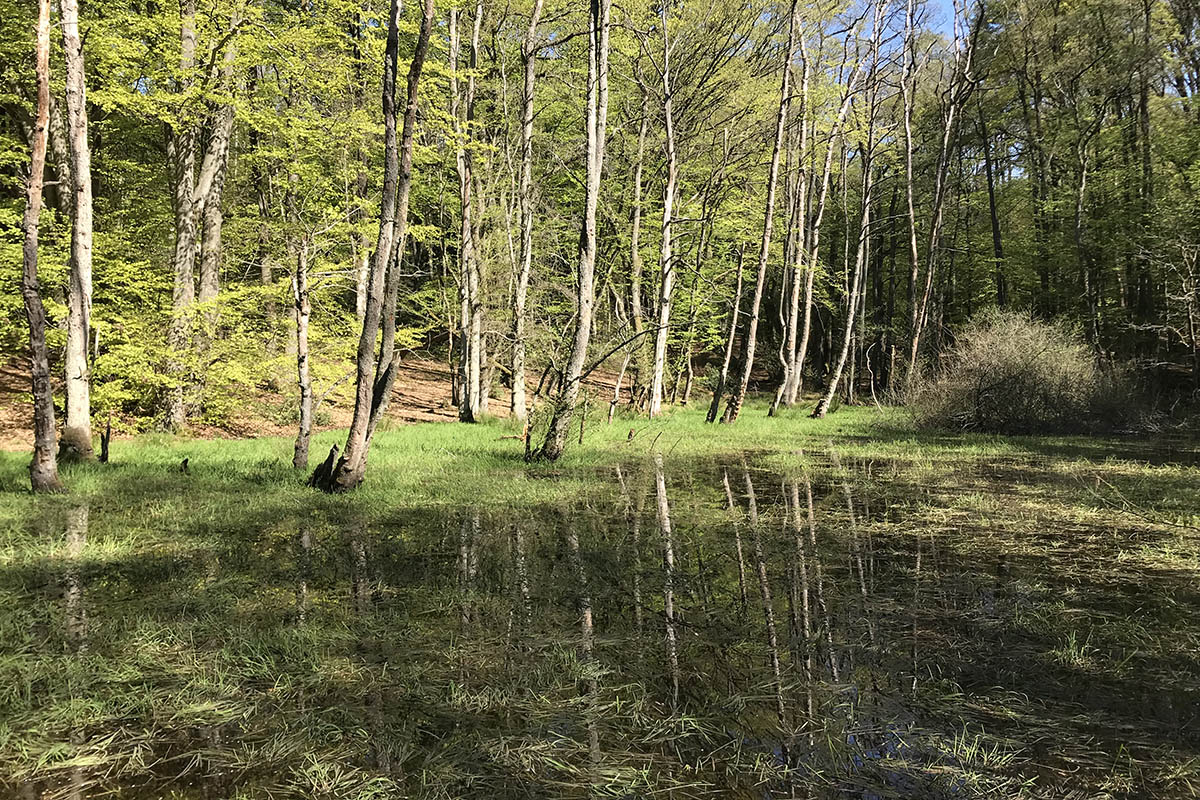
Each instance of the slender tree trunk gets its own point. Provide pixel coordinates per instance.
(461, 112)
(959, 90)
(521, 289)
(997, 244)
(636, 312)
(665, 264)
(597, 117)
(304, 379)
(373, 381)
(76, 441)
(764, 251)
(790, 387)
(714, 407)
(813, 239)
(852, 298)
(855, 278)
(43, 469)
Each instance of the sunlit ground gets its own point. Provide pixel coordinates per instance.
(784, 608)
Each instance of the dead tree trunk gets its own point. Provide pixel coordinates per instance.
(43, 469)
(76, 441)
(596, 122)
(373, 380)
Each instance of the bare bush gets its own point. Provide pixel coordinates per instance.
(1011, 373)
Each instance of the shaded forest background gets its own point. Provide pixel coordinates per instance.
(931, 163)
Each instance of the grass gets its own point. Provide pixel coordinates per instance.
(230, 627)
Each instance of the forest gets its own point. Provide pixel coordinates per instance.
(807, 398)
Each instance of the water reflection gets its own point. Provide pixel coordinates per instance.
(726, 632)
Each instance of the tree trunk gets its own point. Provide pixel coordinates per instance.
(855, 278)
(997, 244)
(665, 265)
(596, 122)
(790, 386)
(43, 469)
(961, 85)
(517, 405)
(373, 381)
(181, 157)
(302, 310)
(462, 113)
(76, 441)
(636, 312)
(714, 407)
(855, 284)
(213, 216)
(764, 251)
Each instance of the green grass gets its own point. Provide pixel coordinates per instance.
(181, 628)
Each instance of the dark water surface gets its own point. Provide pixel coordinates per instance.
(854, 631)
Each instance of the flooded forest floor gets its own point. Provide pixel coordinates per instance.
(783, 607)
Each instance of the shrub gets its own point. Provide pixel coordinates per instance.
(1011, 373)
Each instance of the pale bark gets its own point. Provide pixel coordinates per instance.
(852, 299)
(517, 404)
(957, 93)
(76, 438)
(636, 312)
(462, 106)
(596, 125)
(43, 469)
(855, 278)
(181, 159)
(764, 251)
(790, 386)
(373, 381)
(302, 310)
(666, 266)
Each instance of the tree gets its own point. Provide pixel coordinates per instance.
(43, 469)
(374, 378)
(596, 119)
(76, 439)
(525, 192)
(764, 251)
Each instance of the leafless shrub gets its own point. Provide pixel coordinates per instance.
(1011, 373)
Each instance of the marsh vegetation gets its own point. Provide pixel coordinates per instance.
(779, 611)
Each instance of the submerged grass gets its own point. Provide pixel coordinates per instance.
(997, 607)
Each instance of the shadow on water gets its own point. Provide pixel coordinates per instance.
(847, 630)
